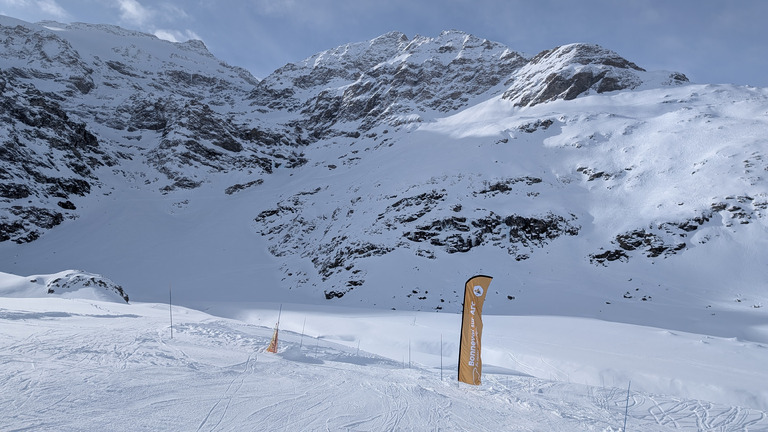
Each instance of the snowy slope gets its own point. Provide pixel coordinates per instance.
(66, 284)
(88, 365)
(477, 193)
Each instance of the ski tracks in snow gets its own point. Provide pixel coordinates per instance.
(219, 410)
(70, 372)
(695, 415)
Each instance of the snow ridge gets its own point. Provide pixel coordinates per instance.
(65, 284)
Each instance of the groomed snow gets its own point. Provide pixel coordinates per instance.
(73, 364)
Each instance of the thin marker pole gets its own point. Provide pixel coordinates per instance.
(170, 308)
(441, 356)
(274, 343)
(301, 342)
(626, 409)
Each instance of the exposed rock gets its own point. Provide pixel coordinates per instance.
(423, 204)
(663, 240)
(374, 82)
(74, 280)
(506, 185)
(238, 187)
(537, 125)
(20, 224)
(457, 234)
(569, 71)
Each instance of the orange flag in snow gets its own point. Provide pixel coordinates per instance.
(273, 343)
(470, 365)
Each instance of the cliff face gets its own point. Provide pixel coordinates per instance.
(389, 78)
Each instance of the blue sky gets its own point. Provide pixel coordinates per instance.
(711, 41)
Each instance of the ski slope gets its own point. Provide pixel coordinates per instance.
(88, 365)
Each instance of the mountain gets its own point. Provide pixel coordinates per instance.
(383, 174)
(67, 284)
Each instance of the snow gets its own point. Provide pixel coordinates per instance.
(65, 284)
(75, 364)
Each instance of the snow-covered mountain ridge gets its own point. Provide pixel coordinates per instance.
(383, 173)
(67, 284)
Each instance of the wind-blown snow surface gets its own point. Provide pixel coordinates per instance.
(71, 364)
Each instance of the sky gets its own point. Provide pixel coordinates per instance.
(710, 41)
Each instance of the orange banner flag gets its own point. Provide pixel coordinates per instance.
(273, 343)
(470, 365)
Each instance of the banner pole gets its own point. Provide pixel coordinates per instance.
(301, 342)
(441, 356)
(461, 335)
(170, 308)
(626, 408)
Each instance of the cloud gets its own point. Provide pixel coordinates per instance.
(170, 12)
(136, 13)
(275, 8)
(176, 35)
(133, 12)
(14, 3)
(50, 7)
(40, 9)
(149, 19)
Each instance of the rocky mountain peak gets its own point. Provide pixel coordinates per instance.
(357, 86)
(393, 38)
(569, 71)
(394, 80)
(584, 54)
